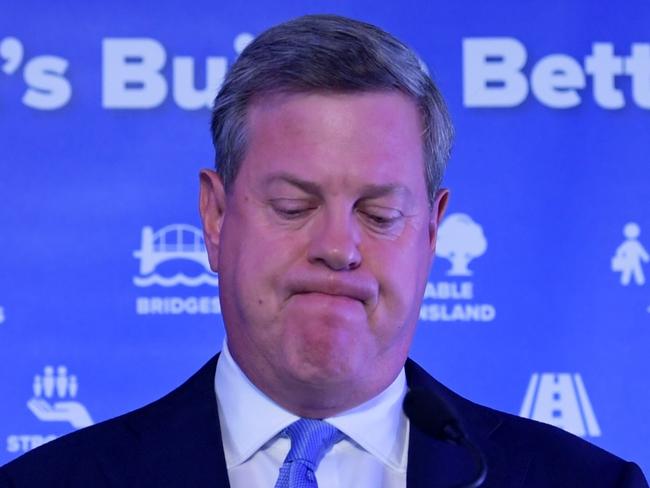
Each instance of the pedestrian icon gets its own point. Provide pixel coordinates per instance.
(630, 255)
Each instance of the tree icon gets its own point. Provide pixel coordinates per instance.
(460, 240)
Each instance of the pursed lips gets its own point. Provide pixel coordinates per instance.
(361, 292)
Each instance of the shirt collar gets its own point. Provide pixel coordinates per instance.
(250, 419)
(379, 425)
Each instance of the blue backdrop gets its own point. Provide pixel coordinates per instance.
(537, 304)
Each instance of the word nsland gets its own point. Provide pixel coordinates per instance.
(494, 76)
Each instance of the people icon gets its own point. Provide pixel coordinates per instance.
(62, 381)
(630, 255)
(73, 386)
(53, 399)
(38, 386)
(48, 381)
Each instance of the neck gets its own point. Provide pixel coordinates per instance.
(318, 397)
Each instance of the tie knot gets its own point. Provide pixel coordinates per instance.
(310, 440)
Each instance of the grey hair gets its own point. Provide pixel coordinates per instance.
(327, 53)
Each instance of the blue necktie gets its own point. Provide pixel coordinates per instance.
(310, 439)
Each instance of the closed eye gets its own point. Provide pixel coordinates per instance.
(291, 213)
(383, 219)
(291, 209)
(378, 219)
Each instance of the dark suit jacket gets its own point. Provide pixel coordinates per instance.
(176, 442)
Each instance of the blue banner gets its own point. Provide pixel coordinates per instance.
(538, 303)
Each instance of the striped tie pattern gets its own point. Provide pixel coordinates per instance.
(310, 440)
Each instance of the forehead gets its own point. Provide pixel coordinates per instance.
(373, 136)
(389, 111)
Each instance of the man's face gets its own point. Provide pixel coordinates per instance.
(323, 245)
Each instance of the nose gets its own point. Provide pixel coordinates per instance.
(335, 242)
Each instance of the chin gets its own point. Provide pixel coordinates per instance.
(324, 367)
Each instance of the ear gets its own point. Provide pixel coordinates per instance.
(212, 205)
(437, 213)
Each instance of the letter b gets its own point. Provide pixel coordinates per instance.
(492, 72)
(131, 73)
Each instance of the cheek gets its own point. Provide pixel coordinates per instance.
(402, 282)
(255, 261)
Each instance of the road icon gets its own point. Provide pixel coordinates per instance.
(560, 399)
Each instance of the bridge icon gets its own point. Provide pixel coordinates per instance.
(175, 241)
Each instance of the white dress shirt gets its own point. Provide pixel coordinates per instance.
(373, 454)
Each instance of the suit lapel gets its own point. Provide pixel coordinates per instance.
(432, 463)
(191, 452)
(185, 432)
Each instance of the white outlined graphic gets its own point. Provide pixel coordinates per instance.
(54, 398)
(172, 242)
(630, 255)
(560, 399)
(460, 240)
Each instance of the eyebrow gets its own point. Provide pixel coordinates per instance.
(304, 185)
(368, 190)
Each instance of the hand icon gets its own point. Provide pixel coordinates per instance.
(73, 412)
